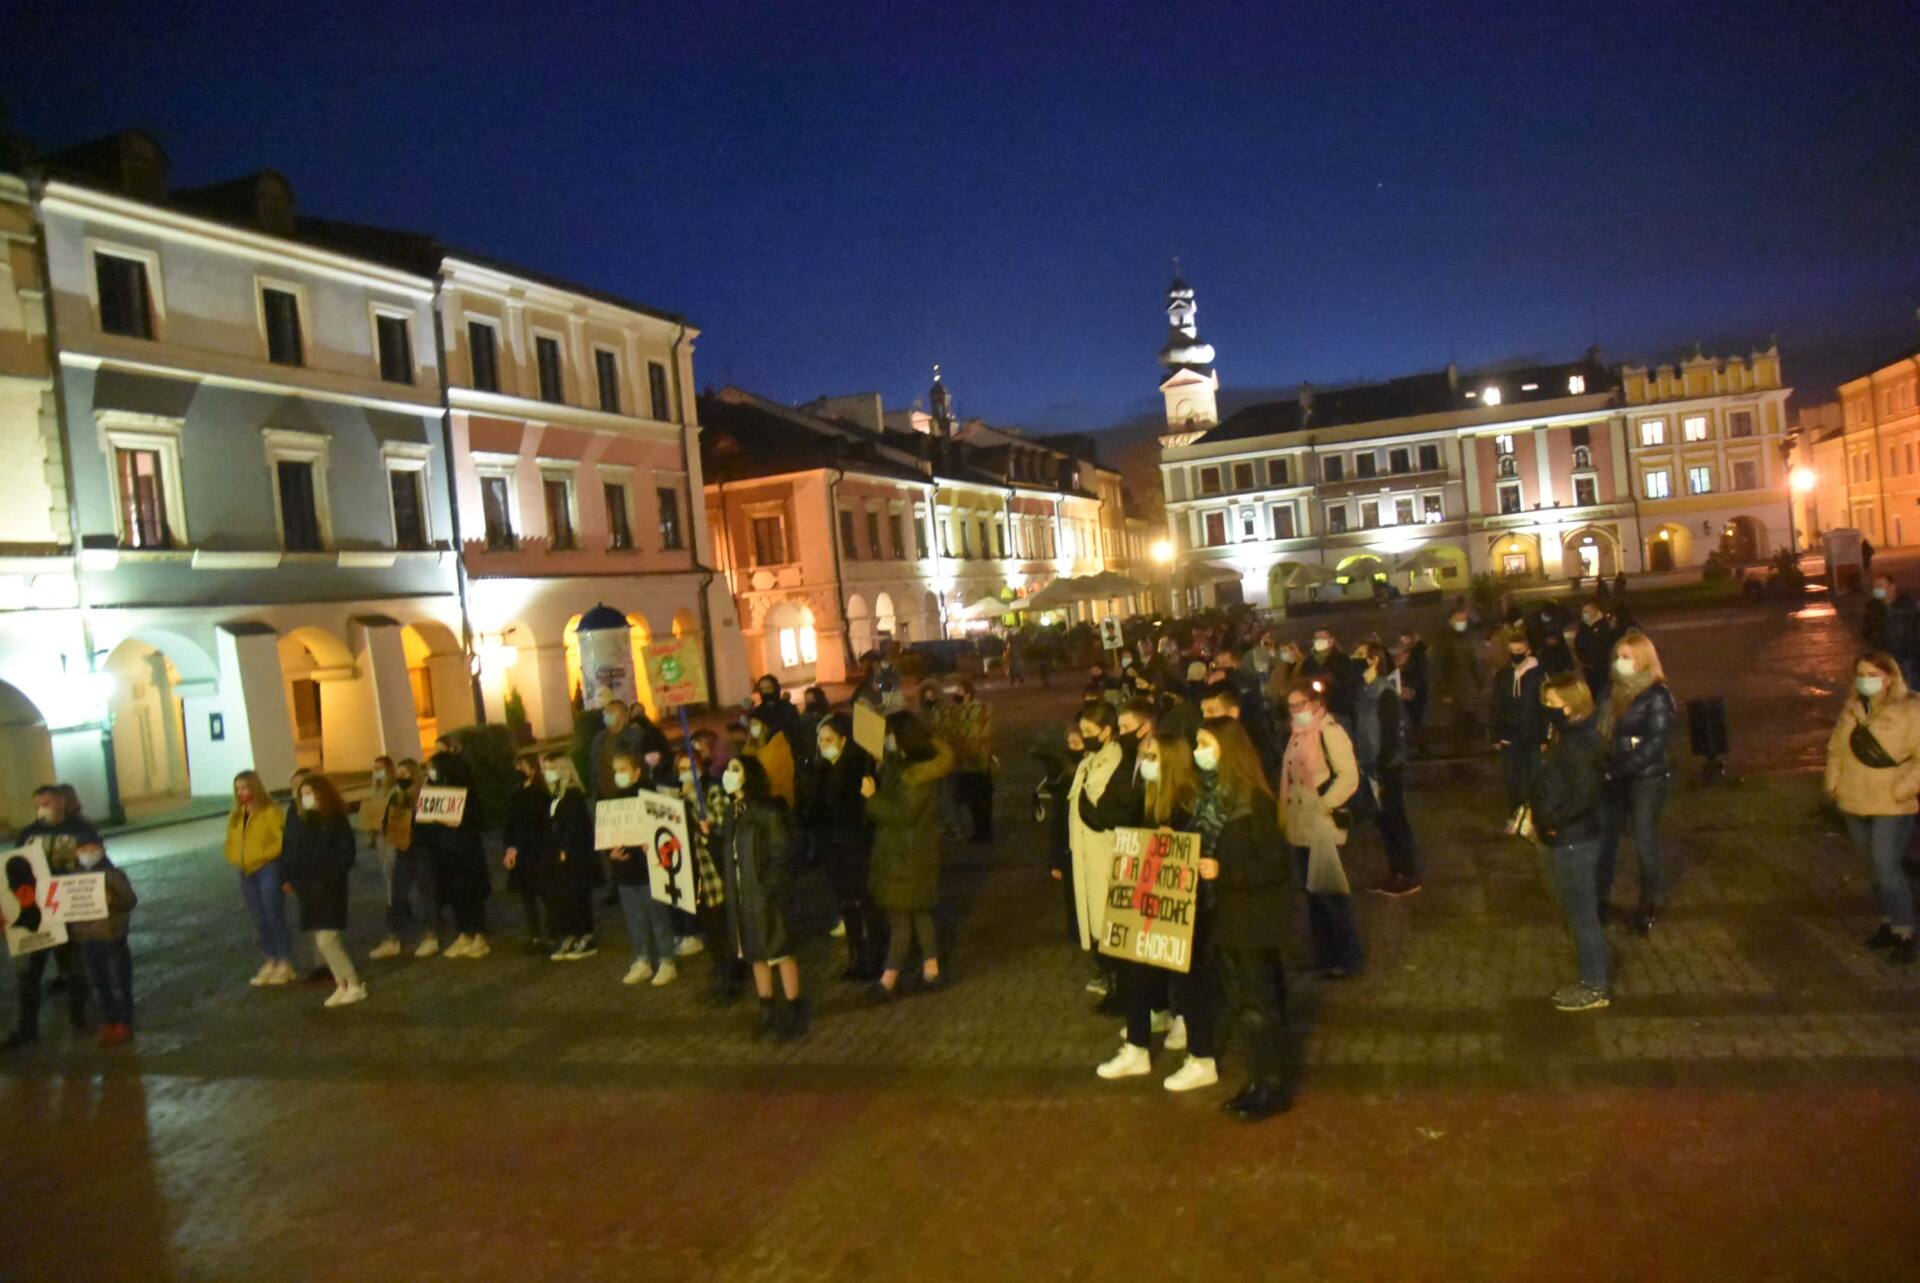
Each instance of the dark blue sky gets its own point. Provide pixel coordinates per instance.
(841, 195)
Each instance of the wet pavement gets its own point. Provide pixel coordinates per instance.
(1748, 1108)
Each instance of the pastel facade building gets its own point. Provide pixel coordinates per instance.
(1867, 465)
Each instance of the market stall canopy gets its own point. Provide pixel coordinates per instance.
(1110, 583)
(1425, 559)
(1057, 595)
(990, 608)
(1196, 574)
(1296, 574)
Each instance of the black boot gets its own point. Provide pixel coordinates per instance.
(854, 918)
(1233, 1103)
(793, 1020)
(769, 1025)
(1643, 917)
(1260, 1102)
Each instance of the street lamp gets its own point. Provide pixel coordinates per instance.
(1162, 554)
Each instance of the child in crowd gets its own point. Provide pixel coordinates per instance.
(104, 948)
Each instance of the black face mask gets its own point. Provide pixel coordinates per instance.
(1556, 718)
(1517, 660)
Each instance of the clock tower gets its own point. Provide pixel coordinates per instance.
(1191, 385)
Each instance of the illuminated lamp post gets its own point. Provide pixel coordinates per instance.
(1162, 554)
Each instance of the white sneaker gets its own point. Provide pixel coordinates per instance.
(429, 945)
(639, 973)
(1196, 1072)
(347, 995)
(839, 931)
(477, 947)
(388, 948)
(264, 976)
(564, 951)
(1177, 1035)
(1129, 1062)
(667, 974)
(278, 973)
(459, 947)
(1098, 985)
(690, 945)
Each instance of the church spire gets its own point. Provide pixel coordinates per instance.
(1191, 384)
(1184, 348)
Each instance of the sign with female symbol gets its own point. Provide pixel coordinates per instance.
(669, 866)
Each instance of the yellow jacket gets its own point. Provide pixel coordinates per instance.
(253, 837)
(1894, 720)
(776, 755)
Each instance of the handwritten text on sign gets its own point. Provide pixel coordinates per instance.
(440, 805)
(651, 826)
(1151, 889)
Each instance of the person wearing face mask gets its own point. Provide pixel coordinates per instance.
(1105, 795)
(568, 864)
(103, 945)
(1456, 680)
(839, 817)
(1873, 777)
(650, 924)
(1640, 719)
(61, 832)
(705, 798)
(1318, 778)
(1516, 723)
(1409, 657)
(1327, 664)
(904, 878)
(524, 851)
(1593, 643)
(1564, 800)
(315, 862)
(767, 743)
(256, 829)
(1891, 623)
(881, 686)
(412, 869)
(617, 734)
(1059, 835)
(969, 733)
(781, 715)
(757, 864)
(370, 817)
(1380, 751)
(458, 862)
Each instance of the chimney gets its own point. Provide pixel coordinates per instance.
(1453, 378)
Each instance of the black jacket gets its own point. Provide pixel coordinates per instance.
(756, 861)
(315, 856)
(1413, 673)
(1567, 786)
(1121, 804)
(1641, 735)
(1593, 647)
(459, 863)
(1515, 715)
(526, 833)
(1257, 898)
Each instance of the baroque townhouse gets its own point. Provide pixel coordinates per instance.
(250, 446)
(1526, 473)
(1866, 463)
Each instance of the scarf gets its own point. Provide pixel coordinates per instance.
(1304, 759)
(1521, 669)
(1209, 811)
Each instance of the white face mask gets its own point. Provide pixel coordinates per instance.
(379, 777)
(687, 777)
(831, 752)
(1459, 625)
(1870, 686)
(611, 718)
(1591, 619)
(1150, 769)
(1321, 645)
(307, 802)
(1206, 757)
(553, 778)
(892, 746)
(733, 779)
(623, 779)
(1303, 718)
(1879, 594)
(90, 858)
(756, 732)
(1624, 666)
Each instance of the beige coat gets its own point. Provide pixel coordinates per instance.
(1306, 811)
(1092, 852)
(1859, 789)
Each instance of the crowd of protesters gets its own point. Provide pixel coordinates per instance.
(1271, 751)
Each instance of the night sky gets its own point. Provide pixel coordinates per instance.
(841, 202)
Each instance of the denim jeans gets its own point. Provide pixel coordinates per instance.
(649, 925)
(1573, 873)
(412, 870)
(1639, 803)
(1336, 936)
(1883, 840)
(267, 905)
(110, 967)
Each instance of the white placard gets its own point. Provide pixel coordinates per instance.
(30, 927)
(440, 804)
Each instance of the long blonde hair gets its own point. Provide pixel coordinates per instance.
(1646, 662)
(562, 765)
(1177, 787)
(261, 799)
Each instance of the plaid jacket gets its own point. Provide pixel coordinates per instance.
(968, 730)
(709, 886)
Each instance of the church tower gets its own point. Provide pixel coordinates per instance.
(1192, 386)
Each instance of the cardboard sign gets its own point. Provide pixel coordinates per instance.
(439, 804)
(676, 672)
(77, 897)
(870, 730)
(1152, 887)
(30, 926)
(1110, 637)
(652, 827)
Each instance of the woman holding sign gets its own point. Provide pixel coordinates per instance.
(1104, 796)
(650, 926)
(1253, 904)
(459, 865)
(905, 876)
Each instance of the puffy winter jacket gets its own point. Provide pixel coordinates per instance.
(1641, 735)
(1894, 721)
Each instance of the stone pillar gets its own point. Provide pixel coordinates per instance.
(539, 674)
(246, 706)
(392, 724)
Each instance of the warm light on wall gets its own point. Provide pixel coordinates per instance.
(1162, 551)
(1804, 479)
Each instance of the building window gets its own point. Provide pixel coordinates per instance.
(1582, 457)
(1364, 464)
(606, 369)
(1337, 518)
(1243, 476)
(1510, 497)
(421, 680)
(1585, 492)
(769, 541)
(619, 516)
(1209, 481)
(1369, 514)
(1400, 460)
(1503, 444)
(496, 507)
(1216, 529)
(1658, 484)
(280, 313)
(983, 539)
(1249, 525)
(1581, 436)
(126, 306)
(999, 540)
(874, 549)
(657, 392)
(409, 508)
(1283, 522)
(1509, 466)
(560, 523)
(394, 336)
(1576, 384)
(546, 352)
(483, 355)
(299, 508)
(1693, 427)
(1653, 432)
(1333, 468)
(672, 539)
(896, 530)
(1746, 474)
(850, 546)
(1513, 564)
(143, 499)
(1403, 511)
(1740, 423)
(1430, 458)
(923, 531)
(1430, 508)
(1277, 472)
(1699, 480)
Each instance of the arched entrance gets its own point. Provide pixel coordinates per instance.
(886, 626)
(1669, 547)
(1744, 541)
(437, 679)
(149, 729)
(316, 669)
(859, 626)
(1513, 556)
(26, 756)
(1359, 573)
(1590, 552)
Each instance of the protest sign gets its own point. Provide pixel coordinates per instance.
(870, 730)
(30, 928)
(677, 672)
(669, 850)
(619, 821)
(1110, 638)
(439, 804)
(1151, 888)
(77, 897)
